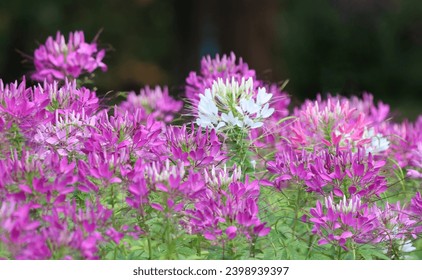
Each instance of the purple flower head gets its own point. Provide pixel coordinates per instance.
(124, 135)
(23, 107)
(36, 112)
(167, 178)
(58, 59)
(396, 222)
(19, 232)
(69, 97)
(336, 122)
(138, 194)
(415, 211)
(65, 134)
(349, 219)
(349, 173)
(153, 101)
(291, 167)
(344, 172)
(416, 204)
(233, 211)
(77, 231)
(194, 147)
(377, 114)
(406, 143)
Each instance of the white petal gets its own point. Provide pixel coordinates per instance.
(257, 124)
(249, 106)
(266, 111)
(220, 125)
(263, 97)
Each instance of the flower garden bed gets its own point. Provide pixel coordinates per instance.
(228, 173)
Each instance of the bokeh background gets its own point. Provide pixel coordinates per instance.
(337, 46)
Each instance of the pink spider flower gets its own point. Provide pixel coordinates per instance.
(396, 222)
(337, 223)
(35, 108)
(415, 211)
(17, 171)
(23, 107)
(398, 227)
(376, 113)
(349, 173)
(290, 168)
(99, 171)
(231, 212)
(153, 101)
(68, 97)
(123, 136)
(58, 59)
(166, 179)
(19, 232)
(331, 122)
(79, 231)
(138, 197)
(194, 147)
(65, 135)
(342, 172)
(406, 144)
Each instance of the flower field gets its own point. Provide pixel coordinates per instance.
(227, 171)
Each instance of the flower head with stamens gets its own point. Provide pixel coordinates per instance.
(58, 59)
(232, 104)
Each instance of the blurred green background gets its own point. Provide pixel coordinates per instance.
(337, 46)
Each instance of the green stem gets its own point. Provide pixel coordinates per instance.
(168, 240)
(252, 248)
(310, 245)
(112, 206)
(149, 247)
(142, 224)
(198, 245)
(339, 253)
(298, 196)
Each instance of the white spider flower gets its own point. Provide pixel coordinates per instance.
(230, 119)
(208, 111)
(378, 143)
(249, 106)
(232, 104)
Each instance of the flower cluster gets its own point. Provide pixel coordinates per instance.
(195, 148)
(83, 180)
(58, 59)
(337, 121)
(343, 173)
(351, 219)
(348, 219)
(228, 213)
(339, 149)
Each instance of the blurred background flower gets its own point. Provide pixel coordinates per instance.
(337, 46)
